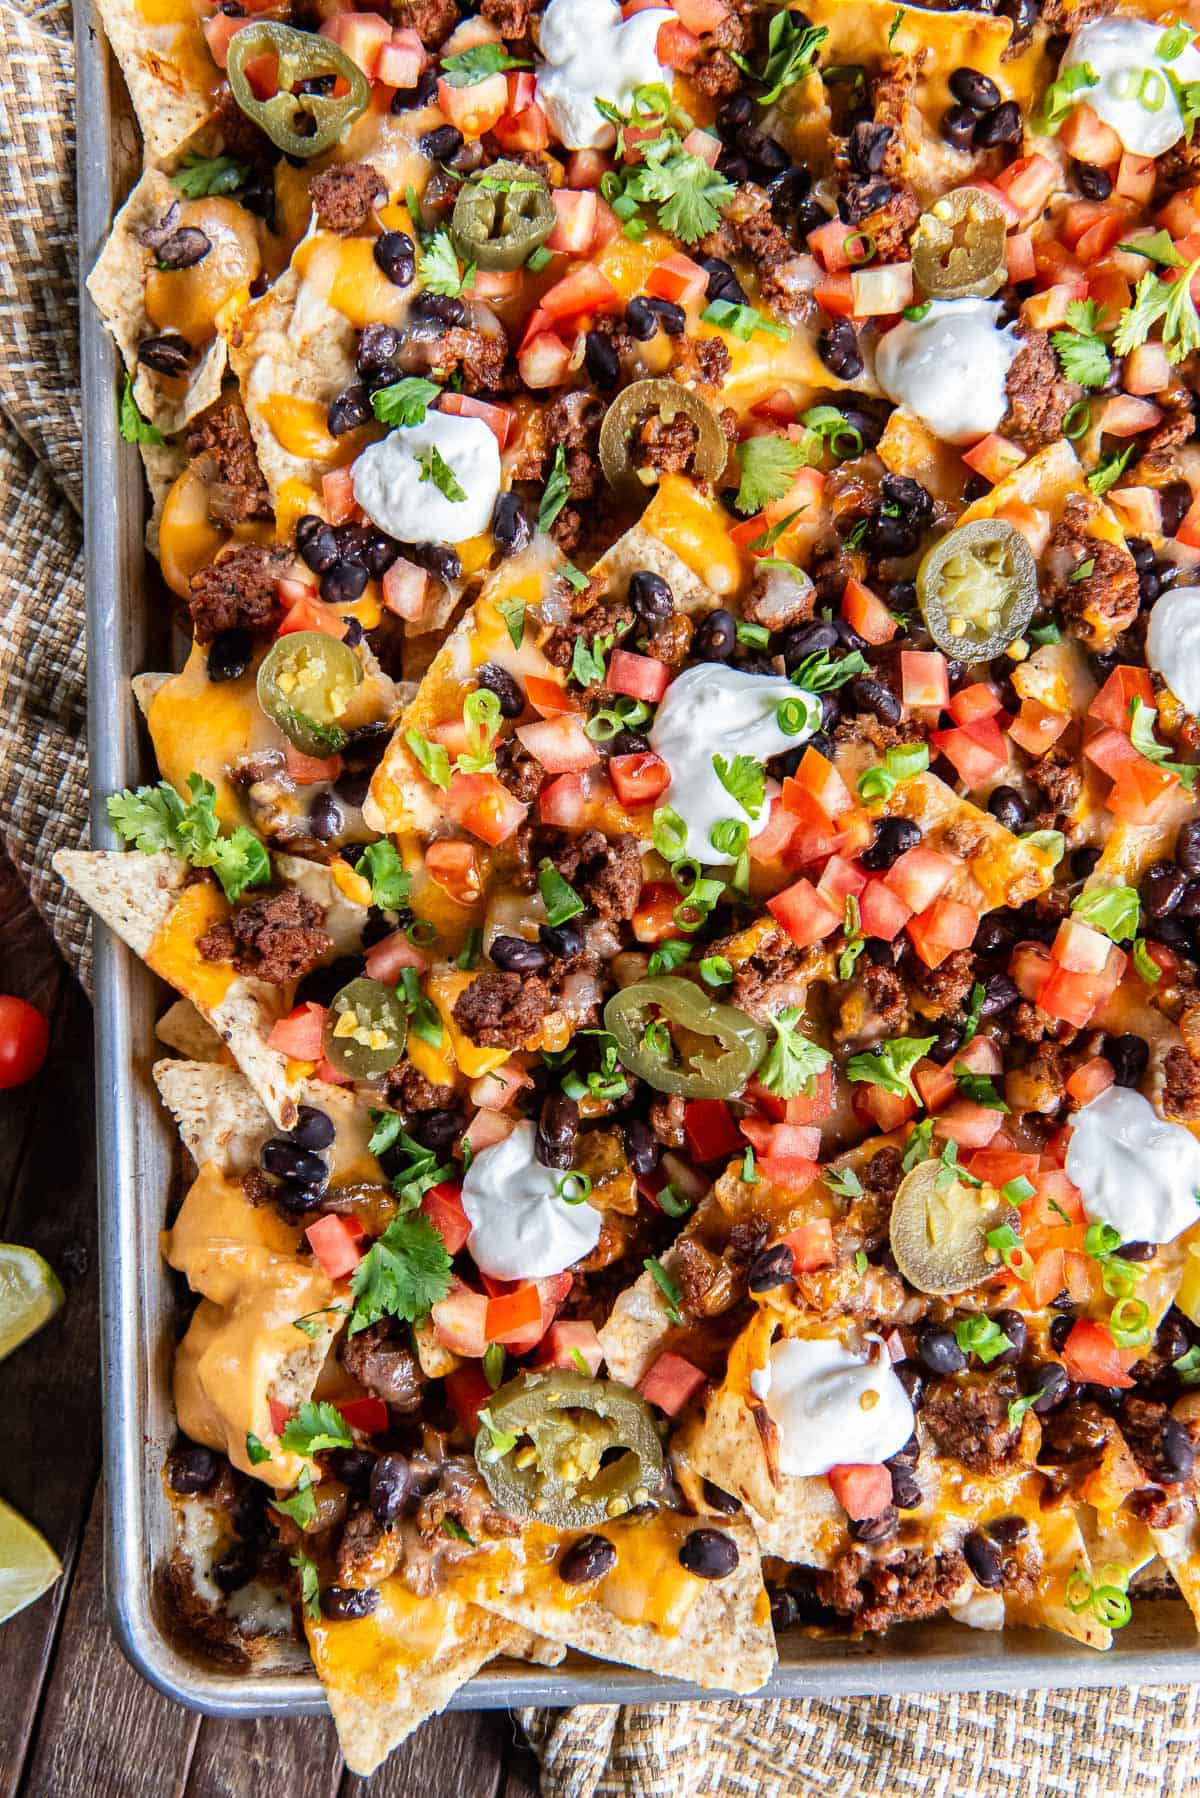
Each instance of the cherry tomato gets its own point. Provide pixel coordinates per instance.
(24, 1040)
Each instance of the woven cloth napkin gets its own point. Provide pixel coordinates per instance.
(1135, 1744)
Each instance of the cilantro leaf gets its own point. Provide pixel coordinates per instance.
(1080, 349)
(558, 895)
(557, 491)
(390, 880)
(691, 197)
(132, 426)
(844, 1181)
(588, 666)
(199, 176)
(404, 1274)
(1113, 910)
(891, 1064)
(793, 1062)
(469, 67)
(301, 1507)
(974, 1011)
(769, 464)
(310, 1584)
(1145, 963)
(148, 818)
(980, 1088)
(512, 610)
(792, 46)
(822, 673)
(744, 779)
(434, 467)
(1156, 299)
(1157, 247)
(742, 321)
(433, 758)
(155, 818)
(437, 265)
(919, 1146)
(1060, 96)
(256, 1451)
(669, 955)
(314, 1427)
(1109, 470)
(405, 402)
(1143, 718)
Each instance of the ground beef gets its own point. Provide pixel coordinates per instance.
(502, 1011)
(883, 1173)
(606, 872)
(892, 96)
(969, 1420)
(1160, 458)
(1098, 607)
(749, 231)
(409, 1091)
(669, 447)
(369, 1551)
(220, 444)
(1056, 777)
(387, 1369)
(345, 195)
(666, 1121)
(432, 20)
(461, 1494)
(517, 770)
(479, 357)
(1041, 1084)
(717, 74)
(1069, 15)
(1038, 396)
(947, 987)
(278, 938)
(876, 1594)
(510, 17)
(700, 361)
(1181, 1086)
(592, 615)
(1142, 1423)
(574, 419)
(891, 223)
(239, 136)
(875, 1005)
(763, 981)
(239, 591)
(671, 640)
(1076, 1433)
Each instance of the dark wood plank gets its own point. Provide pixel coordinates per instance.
(458, 1756)
(265, 1758)
(103, 1732)
(521, 1776)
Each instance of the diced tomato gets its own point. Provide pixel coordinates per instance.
(829, 242)
(483, 805)
(1146, 370)
(496, 1090)
(638, 779)
(499, 419)
(475, 109)
(710, 1130)
(703, 144)
(587, 168)
(402, 60)
(883, 913)
(1138, 510)
(994, 457)
(1189, 531)
(563, 801)
(944, 927)
(561, 745)
(301, 1034)
(544, 360)
(566, 1341)
(1030, 967)
(279, 1415)
(334, 1241)
(924, 677)
(468, 1391)
(528, 129)
(802, 1141)
(1078, 947)
(867, 614)
(460, 1320)
(811, 1245)
(1085, 136)
(970, 1125)
(1135, 179)
(863, 1491)
(1036, 727)
(1018, 252)
(488, 1128)
(549, 697)
(676, 46)
(370, 1415)
(805, 914)
(887, 1111)
(977, 751)
(585, 289)
(702, 15)
(641, 677)
(920, 876)
(217, 32)
(841, 880)
(1012, 216)
(510, 1316)
(442, 1205)
(1091, 1356)
(361, 35)
(882, 291)
(1125, 684)
(1089, 1081)
(386, 958)
(998, 1166)
(404, 586)
(671, 1383)
(1080, 224)
(311, 614)
(1047, 310)
(1124, 416)
(836, 294)
(308, 770)
(793, 1173)
(654, 918)
(1140, 791)
(936, 1084)
(970, 704)
(818, 776)
(677, 278)
(455, 868)
(806, 1108)
(575, 225)
(1071, 996)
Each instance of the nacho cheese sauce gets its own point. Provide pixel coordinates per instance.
(1173, 643)
(1133, 1169)
(713, 710)
(950, 367)
(831, 1406)
(592, 54)
(1134, 92)
(397, 495)
(521, 1229)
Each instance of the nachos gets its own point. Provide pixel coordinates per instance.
(676, 846)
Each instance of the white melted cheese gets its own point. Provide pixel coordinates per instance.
(950, 367)
(397, 495)
(1134, 93)
(1173, 643)
(592, 54)
(1134, 1170)
(713, 710)
(521, 1228)
(832, 1406)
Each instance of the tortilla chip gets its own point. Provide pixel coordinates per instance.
(162, 464)
(1179, 1547)
(183, 1029)
(171, 77)
(638, 548)
(133, 894)
(636, 1326)
(219, 1118)
(146, 688)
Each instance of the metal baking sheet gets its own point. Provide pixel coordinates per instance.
(127, 632)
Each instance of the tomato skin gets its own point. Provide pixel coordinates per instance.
(24, 1040)
(861, 1489)
(1091, 1355)
(670, 1383)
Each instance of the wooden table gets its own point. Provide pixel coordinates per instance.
(75, 1720)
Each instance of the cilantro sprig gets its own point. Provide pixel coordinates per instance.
(792, 48)
(793, 1061)
(1080, 347)
(156, 818)
(769, 465)
(891, 1064)
(405, 402)
(315, 1427)
(404, 1274)
(390, 880)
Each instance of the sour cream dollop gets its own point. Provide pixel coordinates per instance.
(1134, 93)
(713, 710)
(950, 367)
(831, 1405)
(1133, 1169)
(1173, 643)
(397, 494)
(592, 54)
(521, 1228)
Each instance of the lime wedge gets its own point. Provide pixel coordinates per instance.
(28, 1564)
(29, 1295)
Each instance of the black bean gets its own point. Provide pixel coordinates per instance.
(867, 145)
(342, 1604)
(407, 99)
(1002, 125)
(733, 113)
(723, 284)
(651, 597)
(881, 953)
(288, 1161)
(1189, 905)
(912, 1382)
(860, 198)
(983, 1558)
(558, 1127)
(314, 1129)
(999, 992)
(249, 1514)
(906, 1488)
(709, 1554)
(378, 345)
(974, 90)
(1129, 1056)
(1174, 499)
(353, 633)
(516, 955)
(774, 1267)
(439, 308)
(872, 1530)
(1007, 1531)
(1137, 1251)
(1007, 807)
(734, 166)
(641, 320)
(939, 1352)
(1013, 1326)
(627, 742)
(391, 1486)
(893, 836)
(325, 817)
(345, 582)
(352, 788)
(1093, 183)
(441, 144)
(567, 940)
(510, 524)
(1060, 1329)
(805, 640)
(1171, 1339)
(353, 1467)
(376, 379)
(167, 353)
(785, 1612)
(1187, 848)
(641, 1146)
(717, 1499)
(586, 1560)
(183, 249)
(316, 543)
(229, 655)
(1083, 861)
(235, 1568)
(671, 317)
(499, 681)
(601, 360)
(1023, 14)
(788, 191)
(379, 552)
(948, 1041)
(192, 1468)
(1178, 1452)
(958, 127)
(716, 639)
(1161, 888)
(348, 410)
(295, 1200)
(839, 351)
(871, 695)
(441, 560)
(438, 1129)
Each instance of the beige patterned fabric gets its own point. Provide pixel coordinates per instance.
(1083, 1746)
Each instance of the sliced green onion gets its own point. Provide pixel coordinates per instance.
(729, 836)
(668, 833)
(716, 971)
(1130, 1323)
(793, 716)
(875, 784)
(907, 760)
(858, 237)
(1077, 420)
(574, 1188)
(422, 932)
